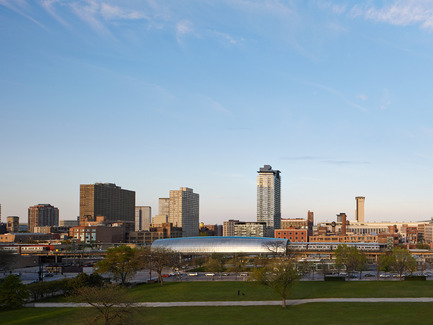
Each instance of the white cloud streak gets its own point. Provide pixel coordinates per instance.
(386, 100)
(401, 13)
(338, 94)
(20, 7)
(227, 37)
(97, 14)
(49, 6)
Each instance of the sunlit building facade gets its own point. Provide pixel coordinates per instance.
(268, 197)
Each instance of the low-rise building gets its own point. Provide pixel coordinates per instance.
(293, 222)
(98, 234)
(69, 223)
(25, 237)
(293, 234)
(166, 230)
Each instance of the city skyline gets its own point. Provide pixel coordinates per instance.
(155, 96)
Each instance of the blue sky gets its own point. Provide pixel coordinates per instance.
(157, 95)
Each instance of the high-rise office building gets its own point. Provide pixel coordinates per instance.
(184, 211)
(143, 217)
(13, 224)
(359, 212)
(42, 215)
(268, 197)
(106, 200)
(164, 206)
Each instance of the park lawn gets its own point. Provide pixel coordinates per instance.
(222, 291)
(228, 291)
(317, 313)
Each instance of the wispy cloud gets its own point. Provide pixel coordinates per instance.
(400, 13)
(88, 12)
(300, 158)
(95, 13)
(338, 94)
(49, 6)
(110, 12)
(335, 8)
(227, 37)
(362, 97)
(324, 160)
(21, 8)
(386, 100)
(183, 28)
(345, 162)
(270, 6)
(213, 105)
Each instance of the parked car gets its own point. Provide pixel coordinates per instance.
(244, 274)
(369, 275)
(193, 274)
(384, 275)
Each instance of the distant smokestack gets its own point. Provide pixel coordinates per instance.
(310, 222)
(343, 217)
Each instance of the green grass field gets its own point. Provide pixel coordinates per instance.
(215, 291)
(317, 313)
(320, 313)
(228, 291)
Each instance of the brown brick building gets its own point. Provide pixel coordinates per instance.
(98, 234)
(42, 215)
(292, 234)
(107, 200)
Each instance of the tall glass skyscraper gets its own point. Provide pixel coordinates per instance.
(268, 198)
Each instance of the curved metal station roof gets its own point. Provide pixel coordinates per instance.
(215, 244)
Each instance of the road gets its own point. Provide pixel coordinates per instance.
(30, 274)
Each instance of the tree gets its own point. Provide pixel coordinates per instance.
(305, 267)
(6, 260)
(121, 262)
(402, 261)
(239, 263)
(13, 293)
(383, 264)
(84, 280)
(215, 263)
(279, 276)
(362, 265)
(111, 302)
(275, 247)
(421, 245)
(157, 259)
(349, 257)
